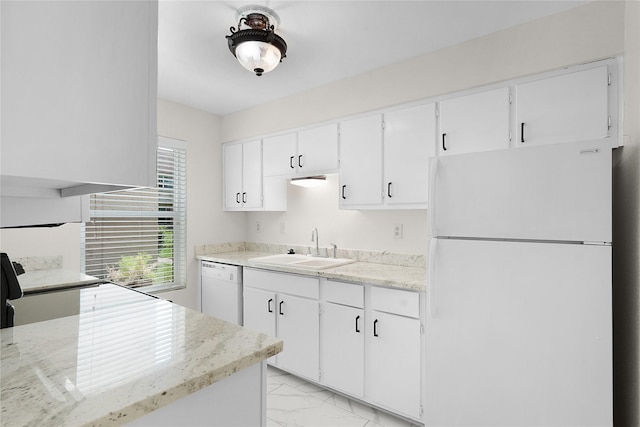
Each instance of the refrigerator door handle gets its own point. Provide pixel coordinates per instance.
(432, 310)
(431, 207)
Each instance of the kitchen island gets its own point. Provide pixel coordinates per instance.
(126, 355)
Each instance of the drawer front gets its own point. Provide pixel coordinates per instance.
(292, 284)
(394, 301)
(343, 293)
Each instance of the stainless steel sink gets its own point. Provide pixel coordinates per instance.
(301, 261)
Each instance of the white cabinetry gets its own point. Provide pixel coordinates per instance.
(564, 108)
(373, 351)
(244, 187)
(393, 351)
(286, 306)
(307, 152)
(384, 158)
(361, 161)
(476, 122)
(243, 175)
(409, 142)
(343, 324)
(79, 94)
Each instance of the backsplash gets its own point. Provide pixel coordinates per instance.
(34, 263)
(376, 257)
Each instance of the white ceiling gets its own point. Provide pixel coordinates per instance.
(327, 40)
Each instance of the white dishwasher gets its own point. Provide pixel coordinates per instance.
(222, 291)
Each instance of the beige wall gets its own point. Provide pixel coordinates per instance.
(206, 222)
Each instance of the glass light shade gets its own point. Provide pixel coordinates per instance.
(309, 182)
(258, 55)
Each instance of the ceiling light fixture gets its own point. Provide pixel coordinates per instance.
(258, 49)
(309, 181)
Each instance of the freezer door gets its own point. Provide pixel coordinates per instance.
(552, 192)
(518, 334)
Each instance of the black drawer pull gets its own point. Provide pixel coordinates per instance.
(269, 305)
(375, 328)
(357, 324)
(280, 308)
(444, 145)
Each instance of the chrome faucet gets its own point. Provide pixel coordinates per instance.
(314, 238)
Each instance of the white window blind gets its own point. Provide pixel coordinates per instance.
(138, 237)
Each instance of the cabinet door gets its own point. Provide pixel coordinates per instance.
(318, 149)
(279, 155)
(570, 107)
(343, 348)
(361, 161)
(409, 141)
(79, 92)
(252, 174)
(259, 310)
(477, 122)
(393, 362)
(299, 327)
(232, 157)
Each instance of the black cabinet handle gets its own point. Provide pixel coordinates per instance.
(343, 187)
(291, 162)
(280, 308)
(444, 145)
(389, 190)
(375, 328)
(269, 305)
(522, 132)
(300, 161)
(237, 197)
(357, 325)
(244, 197)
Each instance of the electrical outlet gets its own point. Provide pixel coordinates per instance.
(283, 228)
(258, 226)
(397, 231)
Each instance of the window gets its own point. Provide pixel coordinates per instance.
(138, 237)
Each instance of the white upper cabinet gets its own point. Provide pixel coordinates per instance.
(564, 108)
(244, 187)
(409, 142)
(243, 175)
(476, 122)
(318, 149)
(307, 152)
(361, 161)
(384, 159)
(280, 154)
(79, 94)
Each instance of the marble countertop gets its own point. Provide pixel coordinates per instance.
(53, 278)
(394, 276)
(125, 355)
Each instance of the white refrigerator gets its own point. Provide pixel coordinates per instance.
(518, 329)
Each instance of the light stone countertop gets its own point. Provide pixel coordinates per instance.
(125, 355)
(53, 278)
(393, 276)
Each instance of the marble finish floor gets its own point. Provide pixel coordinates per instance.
(293, 402)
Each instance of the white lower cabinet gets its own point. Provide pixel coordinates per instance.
(392, 362)
(358, 339)
(286, 306)
(342, 349)
(372, 351)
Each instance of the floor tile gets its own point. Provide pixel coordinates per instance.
(293, 402)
